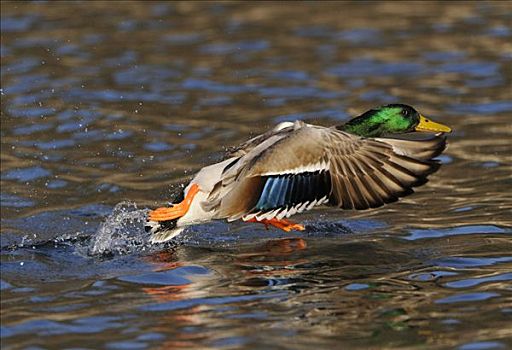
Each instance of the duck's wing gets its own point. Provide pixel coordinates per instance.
(306, 165)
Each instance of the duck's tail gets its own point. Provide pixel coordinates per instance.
(162, 231)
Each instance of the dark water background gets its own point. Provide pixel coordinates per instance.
(107, 104)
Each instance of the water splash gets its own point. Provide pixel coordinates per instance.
(122, 232)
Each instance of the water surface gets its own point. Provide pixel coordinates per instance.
(108, 108)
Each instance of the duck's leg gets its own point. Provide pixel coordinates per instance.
(177, 210)
(283, 224)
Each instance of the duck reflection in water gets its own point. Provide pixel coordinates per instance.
(272, 259)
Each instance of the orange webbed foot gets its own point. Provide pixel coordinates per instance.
(283, 224)
(167, 213)
(177, 210)
(286, 225)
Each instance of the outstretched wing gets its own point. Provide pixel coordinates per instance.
(303, 166)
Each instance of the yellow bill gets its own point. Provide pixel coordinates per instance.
(429, 125)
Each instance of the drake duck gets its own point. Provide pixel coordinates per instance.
(364, 163)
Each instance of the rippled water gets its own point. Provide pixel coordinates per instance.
(107, 108)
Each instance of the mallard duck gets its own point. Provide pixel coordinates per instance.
(296, 166)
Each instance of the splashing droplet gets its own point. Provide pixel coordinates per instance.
(122, 232)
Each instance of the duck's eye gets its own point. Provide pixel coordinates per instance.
(405, 112)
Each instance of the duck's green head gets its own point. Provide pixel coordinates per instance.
(391, 119)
